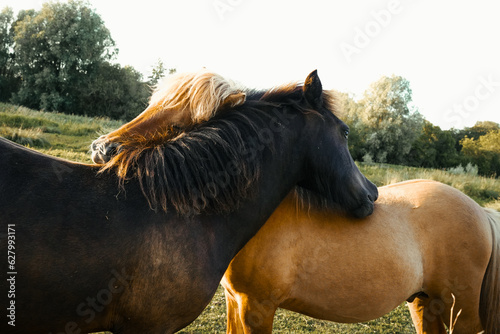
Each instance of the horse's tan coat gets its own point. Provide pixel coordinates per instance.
(422, 237)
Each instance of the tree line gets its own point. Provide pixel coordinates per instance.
(60, 59)
(387, 128)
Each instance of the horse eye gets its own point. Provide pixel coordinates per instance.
(346, 134)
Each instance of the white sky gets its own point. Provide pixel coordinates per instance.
(448, 50)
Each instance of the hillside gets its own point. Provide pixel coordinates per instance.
(61, 135)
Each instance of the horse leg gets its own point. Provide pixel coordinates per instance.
(234, 319)
(429, 315)
(256, 315)
(425, 321)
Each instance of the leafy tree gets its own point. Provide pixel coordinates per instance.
(115, 91)
(447, 155)
(6, 40)
(56, 50)
(158, 73)
(484, 152)
(478, 130)
(350, 112)
(391, 123)
(9, 82)
(434, 148)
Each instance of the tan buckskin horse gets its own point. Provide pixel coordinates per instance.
(424, 242)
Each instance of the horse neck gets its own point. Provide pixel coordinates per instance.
(280, 173)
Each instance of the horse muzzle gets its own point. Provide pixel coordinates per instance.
(366, 206)
(103, 150)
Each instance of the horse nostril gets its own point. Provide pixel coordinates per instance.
(370, 198)
(111, 149)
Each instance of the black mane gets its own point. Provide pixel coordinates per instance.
(209, 168)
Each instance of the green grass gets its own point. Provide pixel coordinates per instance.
(484, 190)
(27, 137)
(69, 137)
(65, 136)
(213, 320)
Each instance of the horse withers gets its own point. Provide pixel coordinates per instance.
(139, 244)
(425, 243)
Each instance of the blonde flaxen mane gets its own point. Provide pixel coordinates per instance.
(195, 97)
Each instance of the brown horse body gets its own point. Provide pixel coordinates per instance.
(424, 242)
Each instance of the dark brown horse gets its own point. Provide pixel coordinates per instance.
(91, 255)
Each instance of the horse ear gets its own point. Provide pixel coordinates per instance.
(313, 90)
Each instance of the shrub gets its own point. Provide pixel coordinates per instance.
(470, 169)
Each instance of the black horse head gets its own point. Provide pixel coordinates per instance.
(330, 169)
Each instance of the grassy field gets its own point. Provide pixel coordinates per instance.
(65, 136)
(70, 136)
(213, 320)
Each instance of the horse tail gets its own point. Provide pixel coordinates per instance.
(489, 307)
